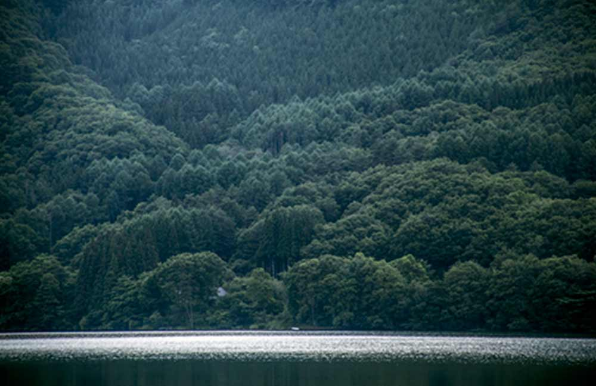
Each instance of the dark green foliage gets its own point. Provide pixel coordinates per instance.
(256, 301)
(277, 238)
(35, 295)
(178, 293)
(140, 244)
(527, 293)
(188, 284)
(517, 294)
(349, 164)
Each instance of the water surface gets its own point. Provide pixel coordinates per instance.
(293, 358)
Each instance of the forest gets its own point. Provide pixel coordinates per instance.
(326, 164)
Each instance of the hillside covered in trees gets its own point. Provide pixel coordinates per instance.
(349, 164)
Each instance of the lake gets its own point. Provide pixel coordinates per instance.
(292, 358)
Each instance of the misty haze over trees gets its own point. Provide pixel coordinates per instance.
(350, 164)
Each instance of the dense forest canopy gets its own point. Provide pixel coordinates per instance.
(356, 164)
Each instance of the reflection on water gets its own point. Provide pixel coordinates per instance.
(342, 358)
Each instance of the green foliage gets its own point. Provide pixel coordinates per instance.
(187, 284)
(277, 238)
(465, 284)
(356, 292)
(349, 164)
(528, 293)
(35, 295)
(256, 301)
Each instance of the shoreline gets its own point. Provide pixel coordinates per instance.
(301, 332)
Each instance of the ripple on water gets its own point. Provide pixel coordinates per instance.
(297, 346)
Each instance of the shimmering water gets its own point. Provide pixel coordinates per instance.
(292, 358)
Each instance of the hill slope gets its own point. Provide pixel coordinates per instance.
(354, 164)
